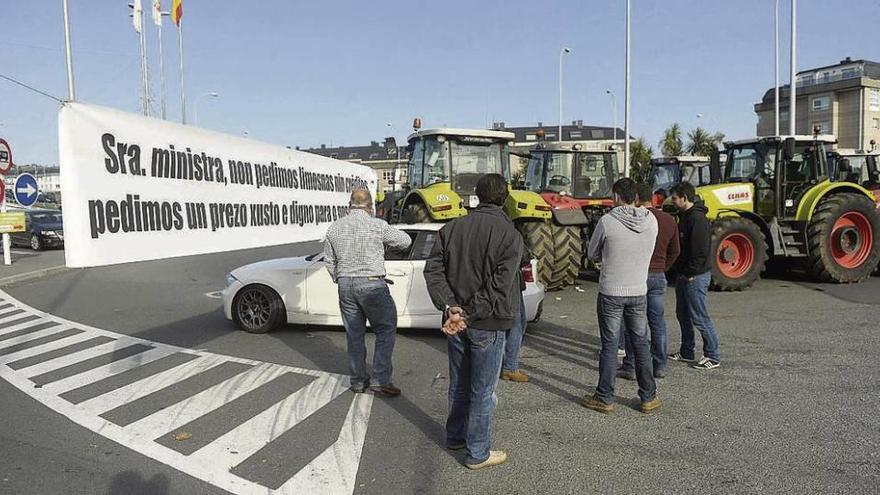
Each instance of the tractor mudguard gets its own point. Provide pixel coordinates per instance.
(439, 199)
(817, 193)
(727, 197)
(570, 217)
(521, 205)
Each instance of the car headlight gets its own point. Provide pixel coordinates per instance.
(230, 280)
(50, 233)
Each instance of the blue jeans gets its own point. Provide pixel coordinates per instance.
(656, 322)
(360, 300)
(692, 310)
(514, 339)
(474, 365)
(613, 312)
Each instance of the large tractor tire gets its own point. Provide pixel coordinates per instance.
(567, 248)
(739, 253)
(415, 213)
(539, 240)
(844, 239)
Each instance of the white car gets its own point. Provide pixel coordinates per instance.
(262, 296)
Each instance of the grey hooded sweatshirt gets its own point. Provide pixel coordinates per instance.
(624, 242)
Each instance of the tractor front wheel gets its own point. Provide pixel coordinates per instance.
(415, 213)
(567, 248)
(844, 239)
(739, 252)
(539, 240)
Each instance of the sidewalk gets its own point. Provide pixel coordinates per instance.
(27, 264)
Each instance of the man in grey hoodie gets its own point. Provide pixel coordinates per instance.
(624, 242)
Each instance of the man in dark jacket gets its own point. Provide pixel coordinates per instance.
(692, 284)
(472, 277)
(666, 251)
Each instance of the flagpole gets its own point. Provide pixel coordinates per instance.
(161, 71)
(145, 78)
(180, 56)
(71, 91)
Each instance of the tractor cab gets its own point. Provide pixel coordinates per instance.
(856, 166)
(667, 172)
(564, 169)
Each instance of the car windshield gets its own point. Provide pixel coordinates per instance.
(472, 161)
(664, 176)
(46, 217)
(582, 175)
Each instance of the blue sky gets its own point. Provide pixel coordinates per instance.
(305, 73)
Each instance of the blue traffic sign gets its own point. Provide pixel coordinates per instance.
(26, 189)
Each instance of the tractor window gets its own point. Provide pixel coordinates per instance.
(472, 161)
(803, 167)
(415, 164)
(591, 175)
(534, 176)
(436, 161)
(559, 172)
(664, 177)
(749, 162)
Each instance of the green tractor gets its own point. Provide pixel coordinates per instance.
(776, 201)
(576, 183)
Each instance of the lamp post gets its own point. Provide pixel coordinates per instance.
(562, 52)
(212, 94)
(613, 111)
(792, 110)
(626, 103)
(776, 70)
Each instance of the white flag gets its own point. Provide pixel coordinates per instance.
(137, 17)
(157, 12)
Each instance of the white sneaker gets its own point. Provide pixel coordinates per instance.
(706, 364)
(621, 353)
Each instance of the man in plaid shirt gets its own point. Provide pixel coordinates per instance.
(354, 253)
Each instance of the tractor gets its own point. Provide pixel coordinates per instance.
(857, 166)
(777, 201)
(576, 183)
(668, 172)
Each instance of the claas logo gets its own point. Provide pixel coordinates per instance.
(738, 196)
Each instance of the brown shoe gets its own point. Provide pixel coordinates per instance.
(515, 376)
(496, 457)
(387, 390)
(597, 405)
(650, 406)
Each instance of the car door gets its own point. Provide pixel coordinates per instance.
(22, 238)
(419, 299)
(322, 295)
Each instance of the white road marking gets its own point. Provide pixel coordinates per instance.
(214, 295)
(333, 471)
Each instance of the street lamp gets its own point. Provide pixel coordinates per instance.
(613, 111)
(212, 94)
(562, 52)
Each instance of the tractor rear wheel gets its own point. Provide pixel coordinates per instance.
(539, 240)
(844, 239)
(739, 252)
(415, 213)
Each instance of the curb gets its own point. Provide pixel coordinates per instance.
(22, 277)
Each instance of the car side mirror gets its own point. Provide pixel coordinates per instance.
(788, 149)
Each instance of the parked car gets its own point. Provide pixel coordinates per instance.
(44, 229)
(262, 296)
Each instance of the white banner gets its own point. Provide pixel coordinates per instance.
(137, 188)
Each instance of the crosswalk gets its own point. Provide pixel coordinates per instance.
(214, 417)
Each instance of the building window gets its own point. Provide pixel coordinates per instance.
(824, 127)
(821, 103)
(531, 137)
(388, 175)
(597, 133)
(874, 100)
(352, 155)
(575, 135)
(550, 137)
(875, 123)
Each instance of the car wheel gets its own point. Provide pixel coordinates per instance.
(258, 309)
(36, 243)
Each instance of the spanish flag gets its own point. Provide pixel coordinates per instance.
(177, 11)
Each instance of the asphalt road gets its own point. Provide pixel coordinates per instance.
(792, 410)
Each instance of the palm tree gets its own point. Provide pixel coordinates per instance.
(640, 160)
(671, 144)
(700, 142)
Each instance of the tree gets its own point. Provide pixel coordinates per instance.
(671, 144)
(701, 143)
(640, 160)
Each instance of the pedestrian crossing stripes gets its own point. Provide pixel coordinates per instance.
(207, 415)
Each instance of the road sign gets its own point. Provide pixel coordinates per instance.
(5, 156)
(26, 189)
(12, 221)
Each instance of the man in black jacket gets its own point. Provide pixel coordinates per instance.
(692, 284)
(472, 276)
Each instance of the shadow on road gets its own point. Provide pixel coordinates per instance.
(133, 483)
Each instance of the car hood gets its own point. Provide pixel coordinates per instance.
(297, 263)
